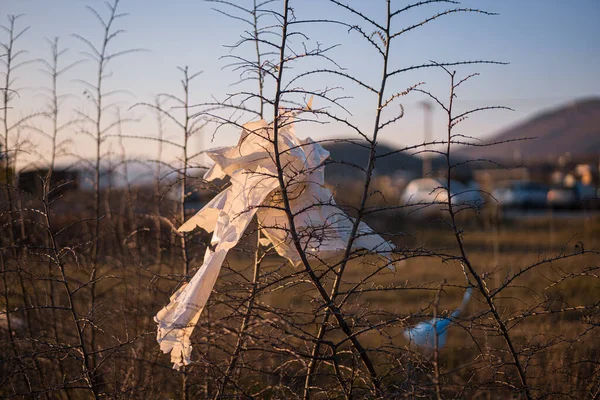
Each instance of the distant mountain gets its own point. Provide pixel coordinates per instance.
(573, 128)
(346, 152)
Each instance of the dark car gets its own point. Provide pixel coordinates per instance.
(521, 194)
(562, 197)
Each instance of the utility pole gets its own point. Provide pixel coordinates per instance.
(427, 108)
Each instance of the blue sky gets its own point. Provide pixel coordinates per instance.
(552, 46)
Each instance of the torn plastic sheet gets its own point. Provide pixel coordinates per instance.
(323, 229)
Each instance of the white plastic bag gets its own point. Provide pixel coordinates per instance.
(323, 229)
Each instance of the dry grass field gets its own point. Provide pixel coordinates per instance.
(543, 280)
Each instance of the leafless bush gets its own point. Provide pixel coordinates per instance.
(84, 272)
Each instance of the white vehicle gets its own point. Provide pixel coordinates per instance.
(429, 191)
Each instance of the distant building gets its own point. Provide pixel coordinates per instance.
(32, 181)
(3, 179)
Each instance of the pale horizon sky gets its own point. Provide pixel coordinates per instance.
(552, 46)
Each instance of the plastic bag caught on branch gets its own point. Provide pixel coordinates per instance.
(323, 229)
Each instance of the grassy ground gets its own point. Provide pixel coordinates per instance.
(550, 306)
(551, 311)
